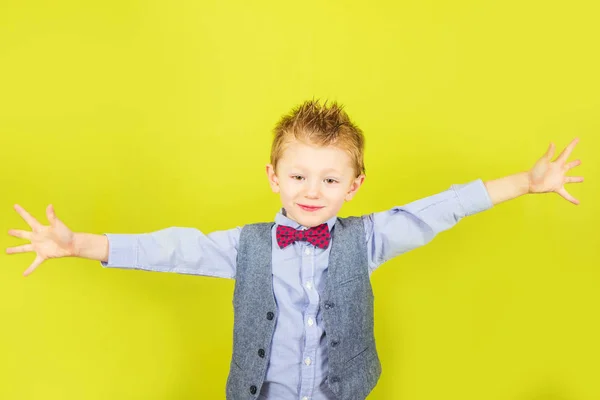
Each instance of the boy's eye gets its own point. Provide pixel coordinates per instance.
(330, 180)
(297, 177)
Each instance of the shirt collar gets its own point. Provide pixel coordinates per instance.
(282, 219)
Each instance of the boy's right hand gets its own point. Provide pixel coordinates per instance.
(53, 241)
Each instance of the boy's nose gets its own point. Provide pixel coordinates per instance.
(313, 191)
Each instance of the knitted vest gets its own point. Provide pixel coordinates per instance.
(346, 304)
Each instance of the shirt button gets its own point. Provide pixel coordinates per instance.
(307, 251)
(310, 322)
(305, 398)
(307, 361)
(308, 285)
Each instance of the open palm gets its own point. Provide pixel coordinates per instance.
(550, 176)
(47, 241)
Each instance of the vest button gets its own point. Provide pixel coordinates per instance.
(253, 389)
(261, 353)
(328, 305)
(335, 342)
(334, 379)
(270, 315)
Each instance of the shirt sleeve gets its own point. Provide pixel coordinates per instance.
(176, 249)
(404, 228)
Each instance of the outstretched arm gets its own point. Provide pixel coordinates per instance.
(404, 228)
(175, 249)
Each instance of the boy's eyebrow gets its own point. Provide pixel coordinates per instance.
(324, 171)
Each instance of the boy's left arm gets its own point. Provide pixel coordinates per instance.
(401, 229)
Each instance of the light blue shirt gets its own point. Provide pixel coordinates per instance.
(298, 365)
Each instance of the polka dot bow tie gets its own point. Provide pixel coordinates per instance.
(318, 236)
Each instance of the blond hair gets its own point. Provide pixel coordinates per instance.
(322, 125)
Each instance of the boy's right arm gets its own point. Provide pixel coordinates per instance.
(176, 249)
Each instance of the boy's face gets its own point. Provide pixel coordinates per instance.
(313, 181)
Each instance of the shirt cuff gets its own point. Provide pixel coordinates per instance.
(473, 197)
(122, 250)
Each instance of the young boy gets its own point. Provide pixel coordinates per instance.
(303, 303)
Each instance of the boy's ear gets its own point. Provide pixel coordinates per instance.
(273, 179)
(354, 186)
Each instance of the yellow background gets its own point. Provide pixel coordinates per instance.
(133, 116)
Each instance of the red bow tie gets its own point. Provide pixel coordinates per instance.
(318, 236)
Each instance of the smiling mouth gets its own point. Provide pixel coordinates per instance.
(309, 208)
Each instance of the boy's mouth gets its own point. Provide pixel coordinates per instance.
(309, 208)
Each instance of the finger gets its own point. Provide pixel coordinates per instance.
(51, 215)
(20, 234)
(562, 158)
(32, 222)
(572, 164)
(550, 152)
(573, 179)
(25, 248)
(36, 263)
(562, 191)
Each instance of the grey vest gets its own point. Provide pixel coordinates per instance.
(347, 307)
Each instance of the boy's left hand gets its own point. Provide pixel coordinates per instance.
(550, 176)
